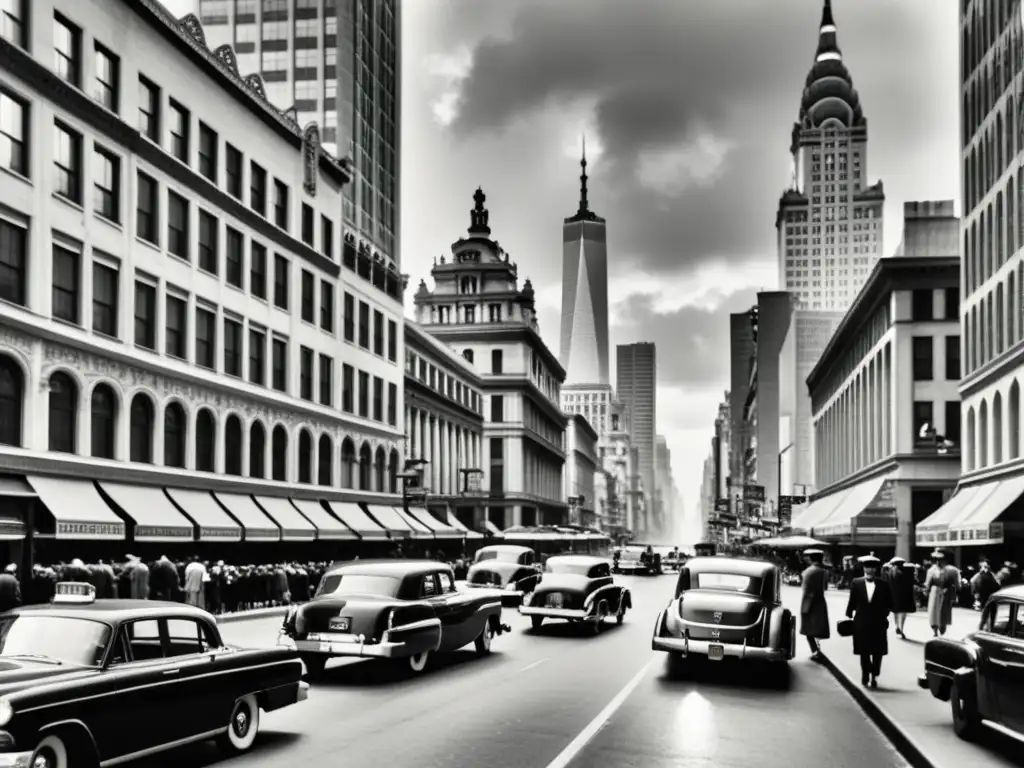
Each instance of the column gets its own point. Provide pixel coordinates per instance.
(453, 460)
(435, 455)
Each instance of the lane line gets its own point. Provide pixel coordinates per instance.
(531, 666)
(576, 746)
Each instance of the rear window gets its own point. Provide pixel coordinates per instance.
(486, 577)
(359, 584)
(729, 582)
(502, 556)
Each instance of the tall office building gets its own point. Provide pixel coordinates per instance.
(829, 222)
(584, 332)
(636, 387)
(335, 63)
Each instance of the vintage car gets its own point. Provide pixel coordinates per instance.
(401, 610)
(577, 588)
(976, 674)
(727, 607)
(671, 558)
(87, 682)
(636, 560)
(507, 567)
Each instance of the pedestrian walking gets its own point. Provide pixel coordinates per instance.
(195, 583)
(869, 605)
(983, 584)
(813, 606)
(901, 581)
(138, 578)
(10, 588)
(941, 584)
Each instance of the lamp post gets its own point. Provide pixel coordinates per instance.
(412, 471)
(778, 488)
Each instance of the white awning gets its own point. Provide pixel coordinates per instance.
(819, 510)
(255, 523)
(78, 509)
(936, 529)
(327, 526)
(980, 526)
(392, 522)
(353, 516)
(439, 529)
(840, 522)
(156, 518)
(214, 523)
(454, 522)
(419, 530)
(493, 529)
(294, 527)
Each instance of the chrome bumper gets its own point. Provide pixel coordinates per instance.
(555, 613)
(303, 692)
(15, 760)
(344, 647)
(688, 647)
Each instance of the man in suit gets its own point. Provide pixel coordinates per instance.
(10, 589)
(813, 607)
(869, 606)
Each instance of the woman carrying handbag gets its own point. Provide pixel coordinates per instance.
(869, 606)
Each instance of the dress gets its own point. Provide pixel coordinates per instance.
(940, 603)
(902, 583)
(813, 606)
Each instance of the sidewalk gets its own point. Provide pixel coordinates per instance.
(250, 615)
(919, 725)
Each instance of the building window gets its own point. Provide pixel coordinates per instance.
(392, 404)
(175, 434)
(378, 398)
(497, 361)
(176, 331)
(106, 174)
(280, 281)
(147, 210)
(923, 362)
(364, 394)
(67, 49)
(105, 84)
(257, 189)
(208, 152)
(257, 270)
(206, 338)
(233, 170)
(922, 309)
(13, 266)
(177, 225)
(308, 297)
(392, 341)
(497, 409)
(349, 319)
(13, 133)
(257, 357)
(279, 454)
(307, 225)
(326, 380)
(347, 383)
(179, 125)
(208, 230)
(327, 237)
(233, 446)
(923, 419)
(232, 347)
(233, 258)
(305, 373)
(65, 285)
(953, 358)
(149, 110)
(104, 299)
(103, 422)
(279, 365)
(378, 333)
(206, 441)
(12, 23)
(257, 450)
(141, 430)
(953, 421)
(497, 473)
(67, 161)
(145, 315)
(63, 411)
(364, 325)
(281, 204)
(326, 306)
(468, 354)
(953, 303)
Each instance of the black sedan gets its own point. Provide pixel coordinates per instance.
(508, 567)
(102, 682)
(980, 676)
(577, 588)
(401, 610)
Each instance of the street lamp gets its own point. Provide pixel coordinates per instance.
(778, 488)
(411, 477)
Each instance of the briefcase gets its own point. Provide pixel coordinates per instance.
(845, 628)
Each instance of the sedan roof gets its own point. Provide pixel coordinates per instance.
(395, 567)
(737, 565)
(112, 611)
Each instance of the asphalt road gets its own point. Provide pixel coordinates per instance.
(559, 698)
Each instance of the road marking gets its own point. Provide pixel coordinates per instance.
(576, 746)
(531, 666)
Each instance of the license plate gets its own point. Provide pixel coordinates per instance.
(554, 601)
(716, 652)
(325, 647)
(340, 623)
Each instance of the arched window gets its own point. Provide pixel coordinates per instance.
(393, 472)
(997, 428)
(348, 463)
(257, 450)
(1013, 421)
(380, 465)
(972, 442)
(206, 441)
(63, 413)
(12, 393)
(279, 454)
(175, 434)
(103, 419)
(141, 437)
(325, 461)
(233, 446)
(468, 354)
(365, 468)
(305, 457)
(983, 435)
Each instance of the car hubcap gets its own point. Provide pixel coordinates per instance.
(241, 723)
(43, 760)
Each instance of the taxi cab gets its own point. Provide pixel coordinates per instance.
(97, 682)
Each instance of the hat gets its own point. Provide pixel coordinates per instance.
(937, 554)
(11, 568)
(869, 561)
(897, 560)
(813, 552)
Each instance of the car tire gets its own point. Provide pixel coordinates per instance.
(483, 640)
(599, 616)
(418, 662)
(620, 615)
(536, 621)
(966, 720)
(315, 666)
(243, 725)
(50, 753)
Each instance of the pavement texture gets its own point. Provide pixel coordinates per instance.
(558, 697)
(918, 724)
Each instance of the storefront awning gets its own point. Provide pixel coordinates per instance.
(979, 526)
(328, 527)
(819, 510)
(934, 529)
(214, 523)
(493, 529)
(439, 529)
(353, 516)
(15, 488)
(156, 518)
(294, 527)
(840, 522)
(419, 529)
(455, 523)
(391, 521)
(78, 509)
(255, 523)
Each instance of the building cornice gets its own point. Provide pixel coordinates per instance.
(420, 395)
(498, 333)
(581, 421)
(429, 346)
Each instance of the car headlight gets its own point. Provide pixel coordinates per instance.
(510, 586)
(6, 712)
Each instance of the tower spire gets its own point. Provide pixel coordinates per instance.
(828, 45)
(584, 204)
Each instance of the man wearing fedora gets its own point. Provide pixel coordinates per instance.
(869, 605)
(813, 606)
(941, 584)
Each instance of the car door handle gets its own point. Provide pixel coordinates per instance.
(169, 672)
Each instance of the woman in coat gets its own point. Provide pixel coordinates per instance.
(869, 606)
(813, 606)
(901, 580)
(940, 584)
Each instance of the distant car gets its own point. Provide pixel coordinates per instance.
(976, 675)
(403, 610)
(636, 560)
(101, 682)
(670, 558)
(727, 607)
(577, 588)
(508, 567)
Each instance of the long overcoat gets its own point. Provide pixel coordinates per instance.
(903, 600)
(870, 617)
(813, 606)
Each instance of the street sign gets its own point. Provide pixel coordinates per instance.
(791, 500)
(722, 505)
(753, 492)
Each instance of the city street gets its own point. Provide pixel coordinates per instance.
(536, 700)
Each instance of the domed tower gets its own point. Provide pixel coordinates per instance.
(829, 222)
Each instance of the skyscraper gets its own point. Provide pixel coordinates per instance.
(636, 387)
(829, 222)
(335, 63)
(584, 332)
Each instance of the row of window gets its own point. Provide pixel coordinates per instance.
(993, 325)
(440, 381)
(984, 85)
(924, 358)
(979, 440)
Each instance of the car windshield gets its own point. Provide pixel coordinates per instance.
(732, 582)
(502, 556)
(568, 567)
(359, 584)
(54, 638)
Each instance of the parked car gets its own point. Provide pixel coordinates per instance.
(976, 675)
(102, 682)
(508, 567)
(402, 610)
(727, 607)
(577, 588)
(637, 560)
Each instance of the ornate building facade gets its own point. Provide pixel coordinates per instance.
(580, 468)
(478, 309)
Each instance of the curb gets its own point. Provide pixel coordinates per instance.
(904, 743)
(256, 613)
